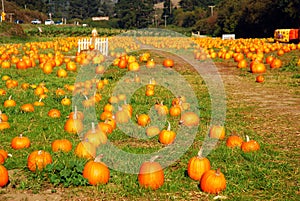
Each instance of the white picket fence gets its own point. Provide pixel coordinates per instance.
(101, 44)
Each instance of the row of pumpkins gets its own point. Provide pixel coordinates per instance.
(151, 173)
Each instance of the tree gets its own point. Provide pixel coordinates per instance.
(134, 14)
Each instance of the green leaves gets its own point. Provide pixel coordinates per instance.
(66, 172)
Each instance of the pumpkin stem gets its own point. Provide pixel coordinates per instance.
(75, 113)
(154, 158)
(218, 171)
(200, 152)
(169, 126)
(247, 138)
(40, 100)
(9, 155)
(40, 152)
(21, 135)
(9, 98)
(93, 128)
(98, 158)
(86, 98)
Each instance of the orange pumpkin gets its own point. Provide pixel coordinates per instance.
(85, 149)
(189, 119)
(213, 181)
(37, 160)
(151, 174)
(197, 166)
(250, 145)
(143, 120)
(20, 142)
(167, 136)
(217, 132)
(168, 63)
(63, 145)
(234, 141)
(54, 113)
(96, 172)
(4, 178)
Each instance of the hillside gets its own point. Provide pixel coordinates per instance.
(15, 12)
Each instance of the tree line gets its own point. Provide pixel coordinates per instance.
(245, 18)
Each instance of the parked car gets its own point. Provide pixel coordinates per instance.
(36, 21)
(58, 22)
(49, 22)
(19, 21)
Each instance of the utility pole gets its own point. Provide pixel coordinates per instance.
(3, 6)
(211, 10)
(165, 16)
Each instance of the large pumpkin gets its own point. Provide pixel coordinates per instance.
(213, 181)
(197, 166)
(151, 174)
(38, 160)
(96, 172)
(3, 176)
(85, 149)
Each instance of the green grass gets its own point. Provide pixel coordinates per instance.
(268, 174)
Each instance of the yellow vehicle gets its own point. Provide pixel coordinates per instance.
(287, 35)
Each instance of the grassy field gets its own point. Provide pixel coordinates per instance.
(267, 112)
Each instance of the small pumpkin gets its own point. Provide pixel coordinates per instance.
(39, 103)
(28, 107)
(95, 136)
(234, 141)
(9, 103)
(54, 113)
(96, 172)
(189, 119)
(167, 136)
(4, 178)
(213, 181)
(152, 131)
(197, 166)
(151, 174)
(38, 159)
(20, 142)
(217, 132)
(73, 125)
(63, 145)
(175, 110)
(85, 149)
(168, 63)
(250, 145)
(143, 120)
(260, 78)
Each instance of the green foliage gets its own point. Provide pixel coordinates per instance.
(66, 172)
(291, 66)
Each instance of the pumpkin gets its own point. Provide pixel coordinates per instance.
(4, 125)
(2, 159)
(9, 103)
(217, 132)
(38, 159)
(63, 145)
(213, 181)
(175, 110)
(197, 166)
(4, 178)
(150, 64)
(161, 109)
(76, 114)
(151, 174)
(107, 127)
(95, 136)
(73, 125)
(85, 149)
(28, 107)
(62, 73)
(20, 142)
(189, 119)
(66, 101)
(105, 115)
(250, 145)
(259, 79)
(3, 117)
(96, 172)
(143, 120)
(39, 103)
(167, 136)
(122, 116)
(54, 113)
(4, 153)
(134, 66)
(152, 131)
(149, 92)
(234, 141)
(168, 63)
(276, 63)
